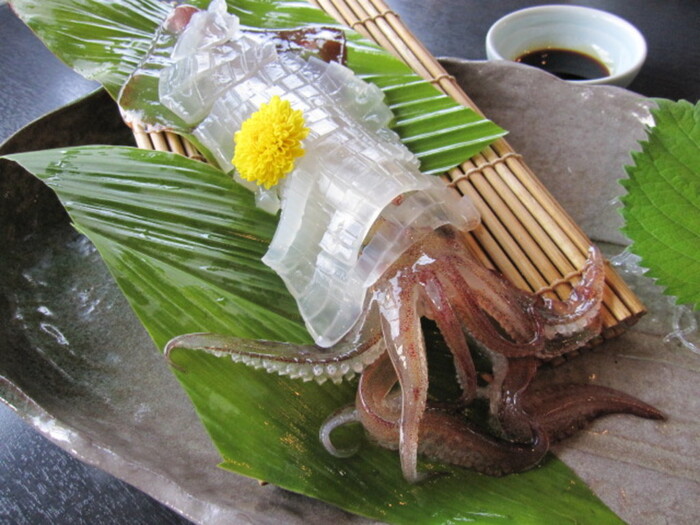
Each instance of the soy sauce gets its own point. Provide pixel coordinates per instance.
(565, 63)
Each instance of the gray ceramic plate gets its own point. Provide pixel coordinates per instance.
(78, 366)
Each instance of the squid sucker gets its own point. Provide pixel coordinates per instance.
(478, 312)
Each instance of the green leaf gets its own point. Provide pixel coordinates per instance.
(184, 244)
(103, 41)
(153, 214)
(108, 41)
(662, 206)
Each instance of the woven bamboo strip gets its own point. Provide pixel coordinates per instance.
(378, 22)
(543, 243)
(423, 62)
(496, 217)
(494, 232)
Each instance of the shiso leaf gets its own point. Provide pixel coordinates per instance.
(184, 245)
(107, 41)
(662, 205)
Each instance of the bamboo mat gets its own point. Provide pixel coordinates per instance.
(525, 234)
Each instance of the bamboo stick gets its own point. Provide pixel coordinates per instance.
(159, 141)
(175, 143)
(192, 151)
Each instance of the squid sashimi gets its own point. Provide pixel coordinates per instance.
(368, 246)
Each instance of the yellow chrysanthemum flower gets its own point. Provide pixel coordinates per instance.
(269, 142)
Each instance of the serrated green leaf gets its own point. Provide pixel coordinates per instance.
(184, 244)
(662, 204)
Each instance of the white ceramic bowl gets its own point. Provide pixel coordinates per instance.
(611, 40)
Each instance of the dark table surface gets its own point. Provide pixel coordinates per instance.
(41, 483)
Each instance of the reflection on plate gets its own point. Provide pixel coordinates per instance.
(80, 368)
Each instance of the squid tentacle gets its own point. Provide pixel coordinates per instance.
(376, 410)
(406, 349)
(513, 419)
(450, 327)
(346, 415)
(481, 326)
(573, 322)
(443, 436)
(307, 362)
(564, 409)
(509, 306)
(438, 278)
(453, 440)
(535, 325)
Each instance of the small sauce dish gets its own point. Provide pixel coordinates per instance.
(578, 44)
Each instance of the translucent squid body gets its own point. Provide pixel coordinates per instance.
(368, 245)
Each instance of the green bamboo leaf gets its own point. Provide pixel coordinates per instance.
(108, 41)
(662, 206)
(184, 243)
(103, 41)
(163, 214)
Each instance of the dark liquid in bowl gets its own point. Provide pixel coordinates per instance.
(565, 63)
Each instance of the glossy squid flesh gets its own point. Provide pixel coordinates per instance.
(476, 310)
